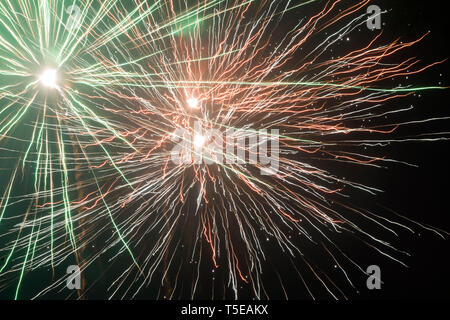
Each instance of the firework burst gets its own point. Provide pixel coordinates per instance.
(203, 135)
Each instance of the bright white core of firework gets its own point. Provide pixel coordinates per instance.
(199, 140)
(192, 103)
(48, 78)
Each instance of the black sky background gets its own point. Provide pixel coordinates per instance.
(421, 193)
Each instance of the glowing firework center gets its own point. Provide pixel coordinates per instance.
(49, 78)
(232, 147)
